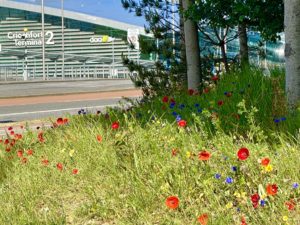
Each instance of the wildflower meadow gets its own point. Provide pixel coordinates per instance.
(227, 155)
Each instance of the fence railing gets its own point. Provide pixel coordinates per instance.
(10, 74)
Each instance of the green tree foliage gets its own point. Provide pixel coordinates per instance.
(259, 15)
(169, 71)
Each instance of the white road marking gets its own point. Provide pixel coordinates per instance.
(56, 110)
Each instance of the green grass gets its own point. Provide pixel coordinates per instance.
(126, 178)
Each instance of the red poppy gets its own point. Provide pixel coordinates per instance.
(243, 154)
(99, 138)
(172, 202)
(7, 149)
(243, 221)
(205, 90)
(290, 205)
(265, 161)
(29, 152)
(204, 156)
(10, 128)
(45, 162)
(174, 152)
(272, 189)
(165, 99)
(203, 219)
(12, 132)
(12, 142)
(220, 102)
(255, 200)
(191, 91)
(20, 153)
(1, 141)
(18, 136)
(172, 100)
(182, 123)
(6, 142)
(60, 121)
(66, 120)
(59, 166)
(41, 137)
(75, 171)
(21, 126)
(24, 160)
(215, 78)
(115, 125)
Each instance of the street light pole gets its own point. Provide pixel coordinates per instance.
(62, 40)
(43, 39)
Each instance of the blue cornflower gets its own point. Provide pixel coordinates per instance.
(79, 112)
(217, 176)
(181, 106)
(153, 118)
(174, 113)
(234, 168)
(178, 118)
(283, 118)
(229, 180)
(262, 202)
(295, 185)
(225, 93)
(199, 110)
(238, 209)
(276, 120)
(172, 105)
(197, 105)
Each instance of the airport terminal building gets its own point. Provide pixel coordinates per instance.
(77, 46)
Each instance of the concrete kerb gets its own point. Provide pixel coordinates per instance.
(53, 81)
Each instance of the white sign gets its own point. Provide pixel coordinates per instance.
(133, 37)
(31, 38)
(101, 39)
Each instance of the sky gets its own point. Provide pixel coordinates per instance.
(110, 9)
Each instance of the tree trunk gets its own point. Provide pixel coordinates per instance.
(192, 50)
(292, 51)
(243, 39)
(224, 56)
(182, 41)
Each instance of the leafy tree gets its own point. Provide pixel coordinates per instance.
(259, 15)
(176, 66)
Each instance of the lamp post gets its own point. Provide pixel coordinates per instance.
(43, 39)
(62, 40)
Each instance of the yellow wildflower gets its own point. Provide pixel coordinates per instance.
(285, 218)
(71, 153)
(269, 168)
(229, 205)
(188, 154)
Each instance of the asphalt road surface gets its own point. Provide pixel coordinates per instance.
(33, 108)
(9, 90)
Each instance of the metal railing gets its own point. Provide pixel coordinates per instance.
(76, 72)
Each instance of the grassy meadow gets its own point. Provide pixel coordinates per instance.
(228, 155)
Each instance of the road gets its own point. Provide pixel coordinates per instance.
(32, 108)
(38, 102)
(25, 89)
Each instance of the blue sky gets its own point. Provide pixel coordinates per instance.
(111, 9)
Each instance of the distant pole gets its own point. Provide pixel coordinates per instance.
(63, 39)
(173, 25)
(43, 39)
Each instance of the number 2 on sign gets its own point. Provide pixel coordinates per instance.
(50, 36)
